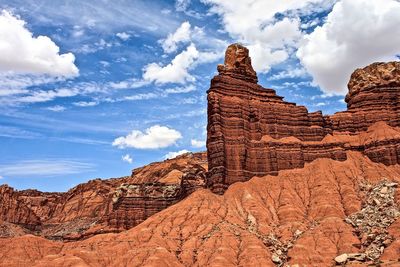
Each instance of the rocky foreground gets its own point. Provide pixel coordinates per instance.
(302, 217)
(278, 186)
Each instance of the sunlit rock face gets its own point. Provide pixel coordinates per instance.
(254, 132)
(101, 206)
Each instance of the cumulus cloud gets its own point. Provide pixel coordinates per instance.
(174, 72)
(198, 143)
(355, 34)
(21, 52)
(181, 35)
(270, 40)
(262, 57)
(127, 158)
(171, 155)
(154, 137)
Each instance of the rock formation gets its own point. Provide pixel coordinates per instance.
(101, 206)
(254, 132)
(156, 187)
(312, 190)
(302, 217)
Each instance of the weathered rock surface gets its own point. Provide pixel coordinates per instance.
(100, 206)
(297, 217)
(304, 189)
(155, 187)
(252, 131)
(14, 212)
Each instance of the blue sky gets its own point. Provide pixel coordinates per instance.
(93, 89)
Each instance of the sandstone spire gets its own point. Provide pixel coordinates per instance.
(238, 63)
(253, 132)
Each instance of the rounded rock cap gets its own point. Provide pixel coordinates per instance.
(376, 75)
(238, 64)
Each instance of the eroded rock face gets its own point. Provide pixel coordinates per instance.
(251, 131)
(101, 206)
(297, 218)
(373, 96)
(155, 187)
(15, 212)
(238, 64)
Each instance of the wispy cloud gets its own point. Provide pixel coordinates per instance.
(56, 108)
(45, 168)
(100, 15)
(86, 103)
(78, 140)
(15, 132)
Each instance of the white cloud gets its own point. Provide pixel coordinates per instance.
(181, 35)
(46, 167)
(145, 96)
(44, 96)
(94, 47)
(1, 177)
(355, 34)
(176, 71)
(123, 36)
(171, 155)
(262, 57)
(101, 16)
(154, 137)
(182, 5)
(17, 96)
(198, 143)
(21, 52)
(289, 73)
(77, 31)
(14, 132)
(271, 41)
(127, 158)
(129, 84)
(56, 108)
(180, 90)
(86, 103)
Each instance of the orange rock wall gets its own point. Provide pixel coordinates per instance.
(243, 114)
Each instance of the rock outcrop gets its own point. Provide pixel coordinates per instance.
(101, 206)
(300, 189)
(254, 132)
(298, 218)
(373, 96)
(13, 211)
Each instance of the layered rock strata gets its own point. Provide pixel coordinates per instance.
(101, 206)
(298, 218)
(252, 131)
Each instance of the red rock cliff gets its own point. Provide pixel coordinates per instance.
(101, 206)
(254, 132)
